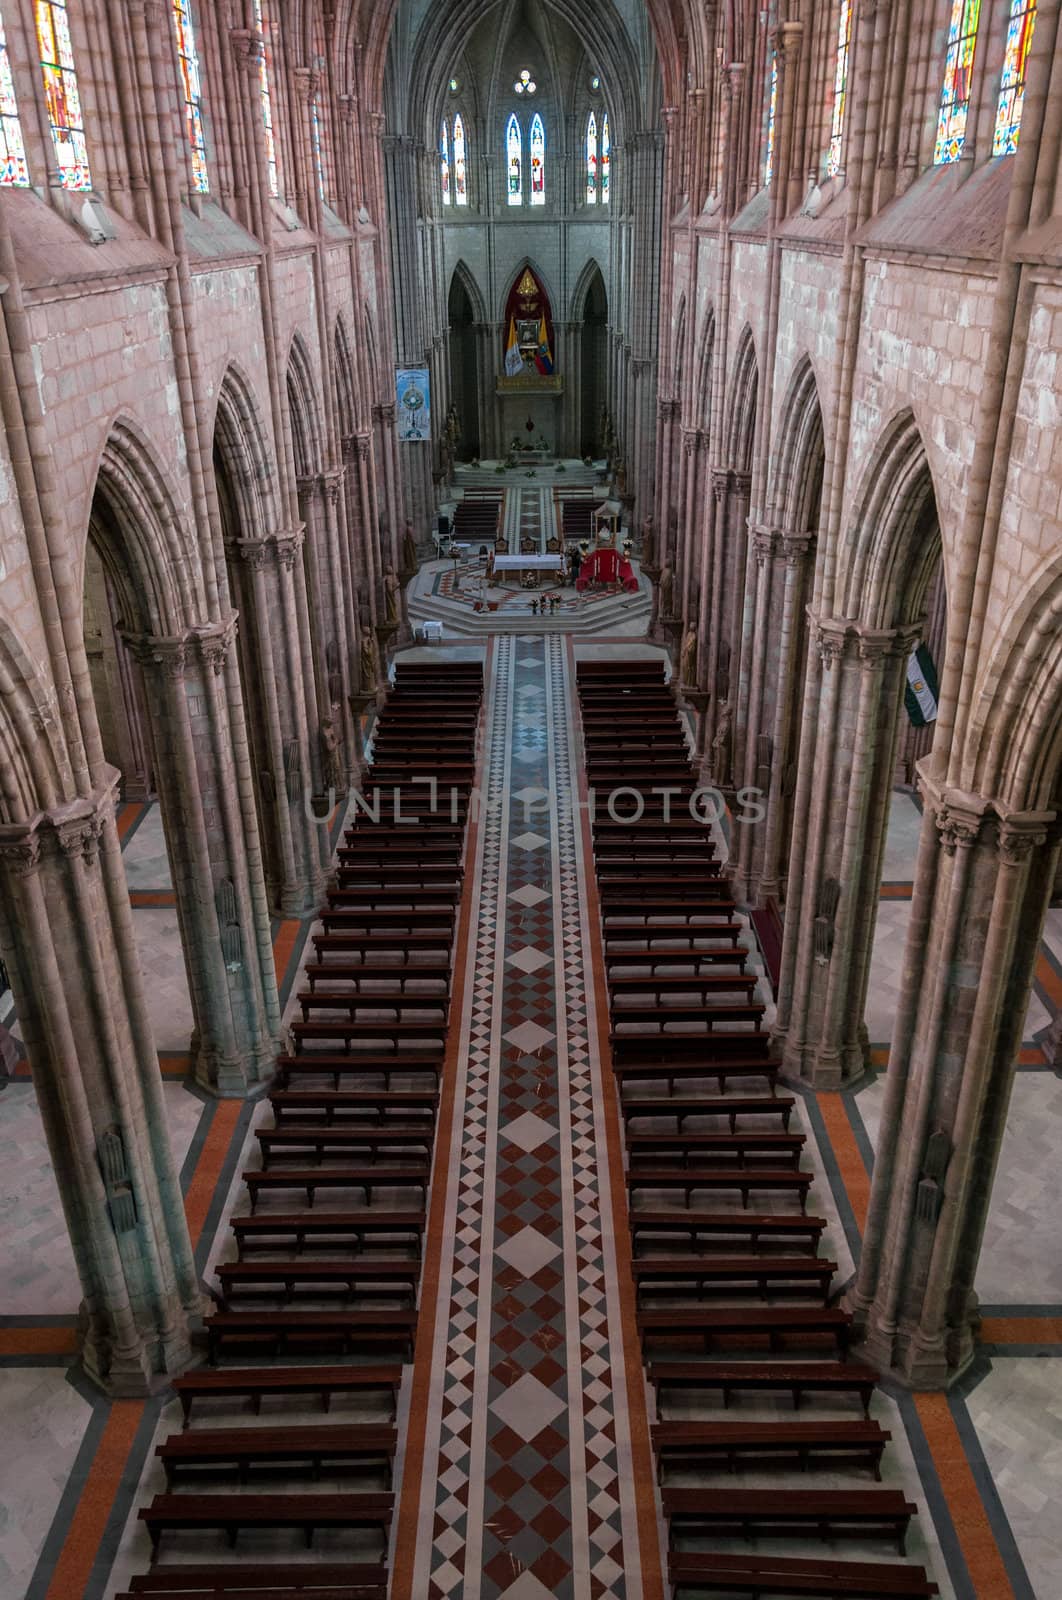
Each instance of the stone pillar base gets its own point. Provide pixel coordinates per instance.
(901, 1355)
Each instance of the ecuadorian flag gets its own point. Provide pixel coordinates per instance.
(920, 691)
(543, 357)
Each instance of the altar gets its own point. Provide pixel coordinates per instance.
(553, 564)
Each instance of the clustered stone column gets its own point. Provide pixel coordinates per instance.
(288, 781)
(850, 716)
(981, 891)
(63, 905)
(775, 691)
(224, 932)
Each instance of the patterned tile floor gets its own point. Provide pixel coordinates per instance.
(526, 1488)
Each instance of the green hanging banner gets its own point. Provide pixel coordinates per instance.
(920, 690)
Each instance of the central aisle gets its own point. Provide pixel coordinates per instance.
(521, 1472)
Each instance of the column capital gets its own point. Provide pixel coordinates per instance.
(383, 411)
(281, 547)
(171, 655)
(667, 410)
(248, 48)
(795, 547)
(307, 83)
(766, 540)
(71, 829)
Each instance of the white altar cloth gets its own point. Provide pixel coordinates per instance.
(547, 563)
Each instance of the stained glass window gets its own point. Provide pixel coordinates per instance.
(591, 160)
(538, 161)
(772, 107)
(958, 74)
(267, 106)
(606, 158)
(1012, 83)
(514, 156)
(61, 94)
(840, 90)
(14, 173)
(444, 162)
(460, 169)
(193, 93)
(525, 83)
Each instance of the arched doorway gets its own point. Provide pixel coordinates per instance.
(593, 364)
(464, 366)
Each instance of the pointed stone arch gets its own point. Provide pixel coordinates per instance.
(742, 402)
(894, 545)
(305, 414)
(465, 277)
(702, 394)
(32, 775)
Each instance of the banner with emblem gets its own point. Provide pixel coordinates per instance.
(920, 690)
(413, 404)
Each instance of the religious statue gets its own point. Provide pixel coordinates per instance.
(329, 754)
(648, 542)
(409, 548)
(391, 593)
(667, 590)
(722, 743)
(688, 659)
(368, 662)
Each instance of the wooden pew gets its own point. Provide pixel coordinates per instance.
(619, 959)
(349, 1331)
(708, 1014)
(793, 1578)
(377, 972)
(789, 1513)
(368, 1035)
(762, 1275)
(737, 1445)
(774, 1324)
(318, 1064)
(231, 1512)
(362, 1444)
(709, 925)
(370, 1178)
(307, 1278)
(259, 1383)
(688, 1181)
(744, 1228)
(345, 1230)
(744, 1147)
(730, 1106)
(667, 986)
(353, 1105)
(301, 1142)
(374, 946)
(274, 1580)
(643, 1068)
(766, 1377)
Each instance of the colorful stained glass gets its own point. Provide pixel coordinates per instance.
(444, 162)
(606, 158)
(772, 107)
(1012, 83)
(514, 154)
(460, 168)
(538, 161)
(61, 94)
(267, 105)
(840, 90)
(192, 90)
(14, 172)
(591, 160)
(958, 76)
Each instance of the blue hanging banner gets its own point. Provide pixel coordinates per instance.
(413, 404)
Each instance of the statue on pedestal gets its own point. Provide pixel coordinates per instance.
(329, 754)
(667, 590)
(648, 542)
(688, 659)
(391, 592)
(368, 662)
(409, 548)
(722, 744)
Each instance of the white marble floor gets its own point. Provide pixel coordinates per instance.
(1017, 1412)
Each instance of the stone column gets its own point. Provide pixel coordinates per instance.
(769, 839)
(286, 785)
(981, 891)
(233, 989)
(62, 900)
(731, 490)
(829, 931)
